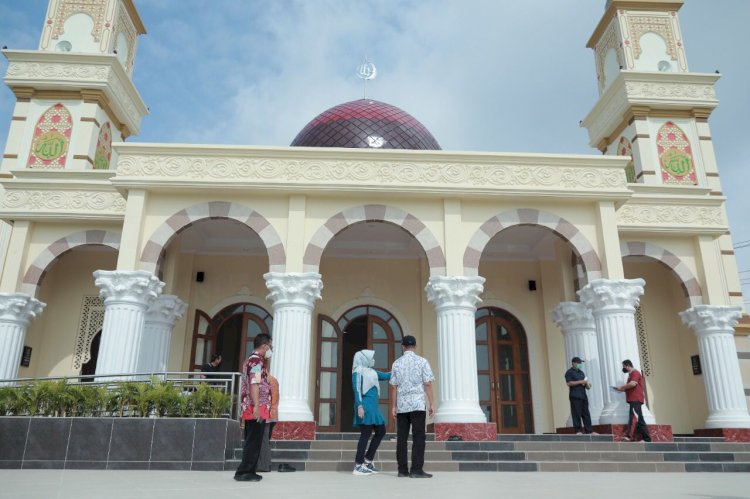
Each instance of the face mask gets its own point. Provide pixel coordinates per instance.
(372, 362)
(625, 370)
(269, 352)
(579, 366)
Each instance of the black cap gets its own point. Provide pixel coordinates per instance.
(577, 360)
(409, 341)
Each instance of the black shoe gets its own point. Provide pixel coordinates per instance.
(403, 475)
(248, 477)
(419, 474)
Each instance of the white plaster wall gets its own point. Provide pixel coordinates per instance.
(653, 50)
(77, 31)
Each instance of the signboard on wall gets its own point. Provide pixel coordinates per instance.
(695, 362)
(26, 357)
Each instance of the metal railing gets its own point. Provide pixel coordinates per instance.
(187, 381)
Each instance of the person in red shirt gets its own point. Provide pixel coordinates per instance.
(635, 397)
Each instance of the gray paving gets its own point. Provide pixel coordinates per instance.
(80, 484)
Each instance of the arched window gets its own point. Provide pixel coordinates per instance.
(625, 149)
(49, 148)
(103, 148)
(675, 155)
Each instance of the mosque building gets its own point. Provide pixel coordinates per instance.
(127, 257)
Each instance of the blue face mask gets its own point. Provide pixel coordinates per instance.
(579, 366)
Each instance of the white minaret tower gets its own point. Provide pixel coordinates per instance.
(75, 95)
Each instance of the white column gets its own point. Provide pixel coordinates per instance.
(713, 325)
(157, 333)
(579, 332)
(455, 300)
(127, 295)
(613, 303)
(16, 310)
(293, 295)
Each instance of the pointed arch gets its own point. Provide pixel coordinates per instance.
(159, 240)
(589, 260)
(690, 285)
(49, 147)
(675, 155)
(103, 152)
(379, 213)
(32, 279)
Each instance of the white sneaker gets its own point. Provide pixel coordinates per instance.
(371, 467)
(361, 469)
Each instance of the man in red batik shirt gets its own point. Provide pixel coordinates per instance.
(635, 397)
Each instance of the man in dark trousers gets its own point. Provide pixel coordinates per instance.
(256, 407)
(578, 383)
(635, 397)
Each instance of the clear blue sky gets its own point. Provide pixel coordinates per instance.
(494, 75)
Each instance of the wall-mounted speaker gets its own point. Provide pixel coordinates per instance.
(532, 285)
(200, 276)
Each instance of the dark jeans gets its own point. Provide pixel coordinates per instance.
(637, 423)
(415, 419)
(254, 431)
(364, 435)
(579, 411)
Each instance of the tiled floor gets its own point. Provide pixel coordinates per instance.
(43, 484)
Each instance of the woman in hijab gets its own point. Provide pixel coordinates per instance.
(365, 381)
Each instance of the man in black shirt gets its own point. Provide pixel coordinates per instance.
(213, 366)
(579, 402)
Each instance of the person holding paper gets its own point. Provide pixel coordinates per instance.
(634, 395)
(578, 383)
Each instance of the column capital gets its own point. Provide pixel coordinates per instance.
(572, 315)
(133, 286)
(293, 288)
(454, 291)
(19, 307)
(612, 295)
(166, 309)
(711, 319)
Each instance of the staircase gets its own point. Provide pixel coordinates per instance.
(548, 452)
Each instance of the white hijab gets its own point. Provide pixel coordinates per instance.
(362, 365)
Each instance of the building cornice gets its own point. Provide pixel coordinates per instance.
(636, 93)
(642, 5)
(36, 72)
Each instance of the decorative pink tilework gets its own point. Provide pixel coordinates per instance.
(658, 432)
(294, 430)
(469, 432)
(729, 434)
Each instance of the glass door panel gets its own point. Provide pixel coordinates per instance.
(327, 386)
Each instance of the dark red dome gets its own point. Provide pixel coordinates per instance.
(366, 123)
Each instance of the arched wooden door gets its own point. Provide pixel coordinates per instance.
(362, 327)
(230, 333)
(503, 371)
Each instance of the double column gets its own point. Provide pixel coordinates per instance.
(579, 332)
(127, 296)
(16, 311)
(455, 300)
(612, 303)
(713, 326)
(293, 296)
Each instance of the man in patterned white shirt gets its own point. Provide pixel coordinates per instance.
(411, 379)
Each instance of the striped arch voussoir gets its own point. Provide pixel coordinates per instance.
(380, 213)
(591, 266)
(159, 240)
(689, 284)
(32, 279)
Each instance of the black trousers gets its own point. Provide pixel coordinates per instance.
(254, 431)
(579, 411)
(415, 419)
(637, 423)
(364, 435)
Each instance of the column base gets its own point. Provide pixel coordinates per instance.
(620, 411)
(728, 419)
(728, 434)
(294, 430)
(469, 432)
(658, 432)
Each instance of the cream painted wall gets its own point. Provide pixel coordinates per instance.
(53, 334)
(676, 396)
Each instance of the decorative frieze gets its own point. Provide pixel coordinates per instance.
(675, 215)
(48, 200)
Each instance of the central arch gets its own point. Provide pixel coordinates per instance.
(592, 265)
(375, 213)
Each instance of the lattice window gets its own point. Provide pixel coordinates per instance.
(92, 320)
(640, 328)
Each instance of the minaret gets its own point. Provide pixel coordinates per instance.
(75, 95)
(651, 107)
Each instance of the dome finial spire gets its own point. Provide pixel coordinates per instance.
(366, 71)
